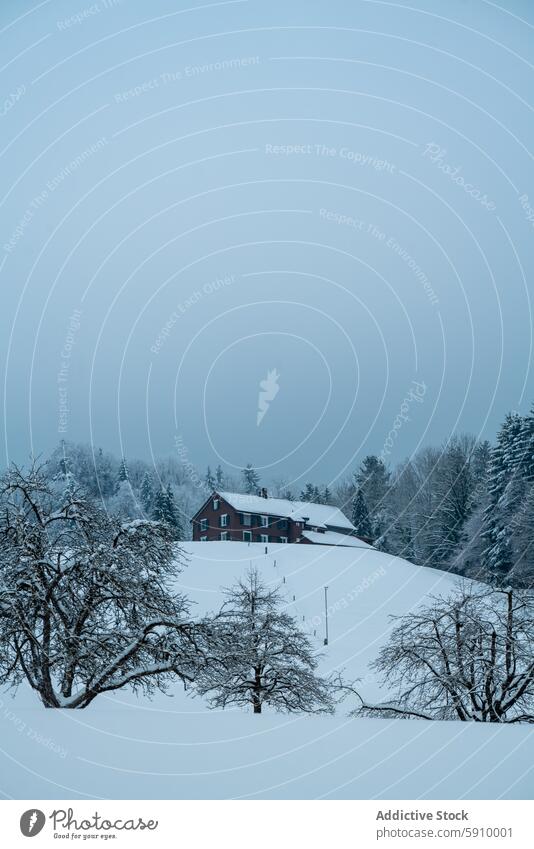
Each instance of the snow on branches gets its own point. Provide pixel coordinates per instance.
(85, 599)
(264, 658)
(468, 657)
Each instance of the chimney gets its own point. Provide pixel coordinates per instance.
(263, 492)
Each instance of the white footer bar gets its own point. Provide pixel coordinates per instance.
(272, 824)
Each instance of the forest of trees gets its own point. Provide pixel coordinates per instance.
(465, 506)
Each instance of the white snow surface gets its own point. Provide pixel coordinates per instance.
(173, 748)
(319, 515)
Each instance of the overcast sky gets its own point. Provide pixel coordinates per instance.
(336, 194)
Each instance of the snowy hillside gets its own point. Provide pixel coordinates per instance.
(365, 587)
(121, 747)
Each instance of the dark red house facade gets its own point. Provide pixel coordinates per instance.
(229, 516)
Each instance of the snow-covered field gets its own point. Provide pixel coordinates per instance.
(123, 747)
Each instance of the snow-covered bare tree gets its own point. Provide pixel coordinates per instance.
(264, 658)
(124, 503)
(468, 657)
(86, 605)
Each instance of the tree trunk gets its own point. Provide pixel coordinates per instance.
(256, 692)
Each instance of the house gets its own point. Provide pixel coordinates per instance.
(259, 518)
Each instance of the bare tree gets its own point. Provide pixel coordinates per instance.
(85, 603)
(467, 657)
(264, 658)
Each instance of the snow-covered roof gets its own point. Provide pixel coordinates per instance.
(319, 515)
(331, 538)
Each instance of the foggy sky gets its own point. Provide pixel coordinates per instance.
(192, 198)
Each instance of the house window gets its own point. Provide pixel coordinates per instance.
(264, 537)
(204, 524)
(283, 539)
(246, 519)
(247, 536)
(203, 539)
(282, 524)
(264, 521)
(223, 536)
(216, 503)
(223, 520)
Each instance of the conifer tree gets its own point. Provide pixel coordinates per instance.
(209, 480)
(122, 474)
(360, 517)
(164, 510)
(251, 479)
(504, 490)
(147, 492)
(373, 479)
(311, 493)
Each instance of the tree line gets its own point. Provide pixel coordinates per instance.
(465, 506)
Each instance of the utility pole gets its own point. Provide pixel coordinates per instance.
(326, 615)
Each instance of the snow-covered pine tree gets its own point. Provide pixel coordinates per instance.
(209, 480)
(454, 488)
(147, 493)
(158, 505)
(504, 481)
(122, 474)
(360, 517)
(164, 510)
(173, 515)
(402, 503)
(480, 466)
(264, 657)
(87, 602)
(219, 477)
(251, 479)
(311, 494)
(523, 450)
(373, 479)
(64, 461)
(522, 573)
